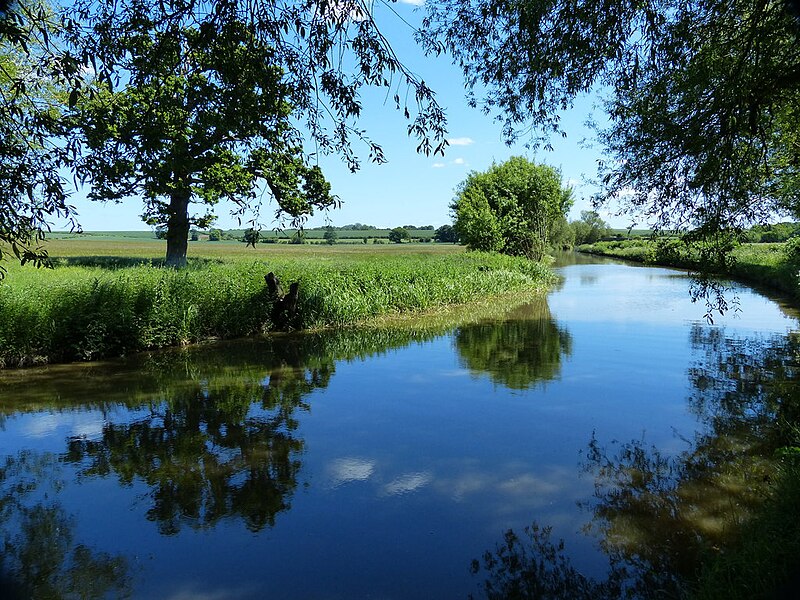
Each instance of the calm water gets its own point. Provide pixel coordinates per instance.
(382, 463)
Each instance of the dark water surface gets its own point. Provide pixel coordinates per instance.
(380, 463)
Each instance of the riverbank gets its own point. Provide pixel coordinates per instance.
(94, 306)
(768, 266)
(761, 560)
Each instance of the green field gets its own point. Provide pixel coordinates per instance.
(345, 236)
(111, 297)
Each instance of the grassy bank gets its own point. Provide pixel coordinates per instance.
(761, 561)
(764, 265)
(97, 304)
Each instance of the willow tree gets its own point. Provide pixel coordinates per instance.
(703, 98)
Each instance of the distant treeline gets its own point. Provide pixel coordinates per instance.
(356, 232)
(318, 234)
(360, 227)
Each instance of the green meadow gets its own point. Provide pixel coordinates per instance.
(106, 298)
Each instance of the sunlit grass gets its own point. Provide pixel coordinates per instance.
(108, 298)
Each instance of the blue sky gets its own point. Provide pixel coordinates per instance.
(411, 188)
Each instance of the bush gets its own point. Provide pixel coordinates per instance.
(791, 250)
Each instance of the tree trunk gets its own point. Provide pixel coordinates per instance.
(178, 229)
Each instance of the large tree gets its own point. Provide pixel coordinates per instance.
(203, 117)
(233, 81)
(328, 53)
(510, 208)
(703, 97)
(590, 228)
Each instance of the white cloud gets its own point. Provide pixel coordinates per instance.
(91, 427)
(460, 141)
(458, 161)
(41, 426)
(438, 165)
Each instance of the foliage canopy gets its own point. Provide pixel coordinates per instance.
(590, 228)
(398, 235)
(510, 208)
(703, 98)
(35, 79)
(203, 117)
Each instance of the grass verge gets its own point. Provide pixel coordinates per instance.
(92, 308)
(762, 265)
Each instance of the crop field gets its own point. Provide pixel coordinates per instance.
(105, 298)
(150, 248)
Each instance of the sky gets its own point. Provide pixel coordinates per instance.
(411, 189)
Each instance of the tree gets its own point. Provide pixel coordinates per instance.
(561, 235)
(204, 117)
(445, 234)
(327, 51)
(590, 228)
(510, 207)
(330, 235)
(525, 350)
(35, 89)
(703, 97)
(228, 82)
(251, 237)
(398, 235)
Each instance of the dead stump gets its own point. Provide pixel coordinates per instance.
(284, 306)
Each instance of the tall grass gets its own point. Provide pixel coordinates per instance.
(85, 312)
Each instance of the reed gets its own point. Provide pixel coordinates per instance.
(91, 308)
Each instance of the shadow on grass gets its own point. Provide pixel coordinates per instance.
(123, 262)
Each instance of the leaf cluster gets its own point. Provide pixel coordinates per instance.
(510, 207)
(35, 82)
(702, 97)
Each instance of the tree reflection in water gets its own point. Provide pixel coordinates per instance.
(218, 448)
(519, 352)
(658, 515)
(536, 567)
(40, 556)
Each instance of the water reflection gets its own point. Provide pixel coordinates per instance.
(657, 513)
(534, 567)
(207, 454)
(212, 432)
(41, 556)
(521, 351)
